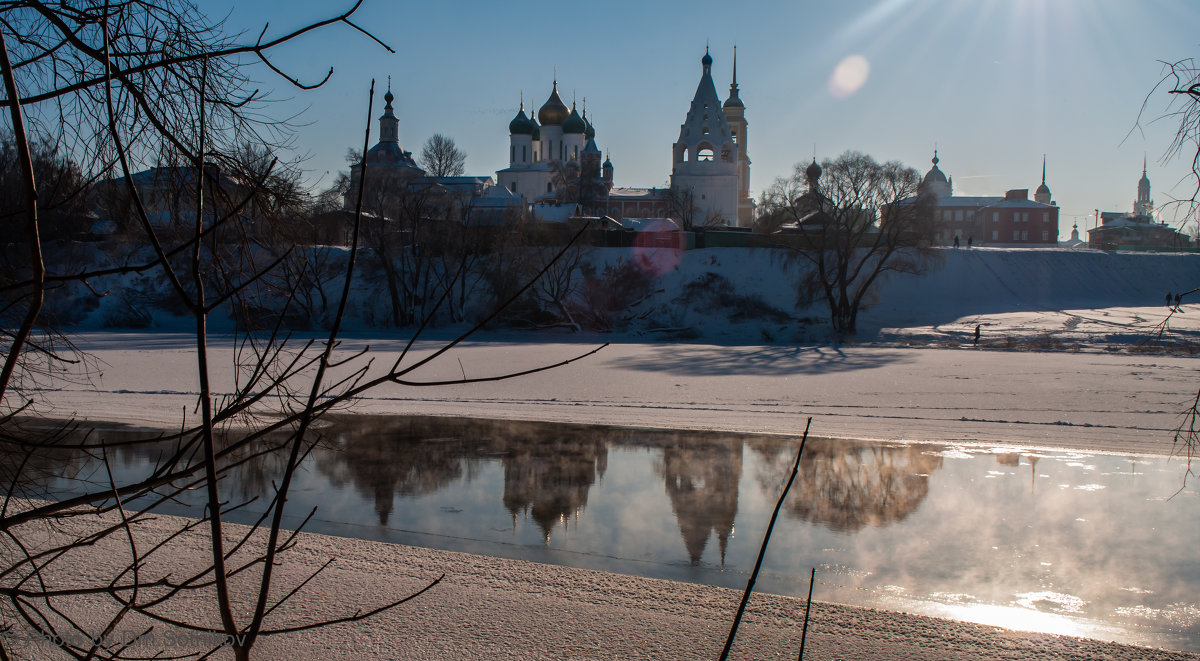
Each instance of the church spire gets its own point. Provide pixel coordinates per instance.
(734, 101)
(734, 85)
(1042, 194)
(389, 125)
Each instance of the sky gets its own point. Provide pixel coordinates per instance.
(992, 84)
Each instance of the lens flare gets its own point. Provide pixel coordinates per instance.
(658, 247)
(848, 76)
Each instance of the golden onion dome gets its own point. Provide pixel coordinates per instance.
(553, 112)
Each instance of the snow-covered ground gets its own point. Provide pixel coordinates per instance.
(1099, 401)
(495, 608)
(1066, 358)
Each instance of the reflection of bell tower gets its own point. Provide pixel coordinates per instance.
(550, 479)
(702, 484)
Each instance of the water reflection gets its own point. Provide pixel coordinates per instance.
(702, 485)
(549, 478)
(845, 485)
(1063, 541)
(394, 456)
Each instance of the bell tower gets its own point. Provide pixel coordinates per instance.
(705, 157)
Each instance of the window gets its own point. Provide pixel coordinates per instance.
(725, 153)
(1024, 235)
(704, 130)
(514, 186)
(958, 216)
(970, 216)
(1025, 217)
(512, 153)
(524, 153)
(1045, 216)
(946, 215)
(996, 217)
(1045, 236)
(995, 235)
(1016, 235)
(705, 154)
(548, 188)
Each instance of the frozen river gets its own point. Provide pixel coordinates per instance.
(1060, 541)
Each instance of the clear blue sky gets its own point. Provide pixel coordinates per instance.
(993, 83)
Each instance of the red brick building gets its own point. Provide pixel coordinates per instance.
(1013, 220)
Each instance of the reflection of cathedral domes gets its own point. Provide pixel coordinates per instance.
(553, 111)
(550, 480)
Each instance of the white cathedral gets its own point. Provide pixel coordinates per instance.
(554, 163)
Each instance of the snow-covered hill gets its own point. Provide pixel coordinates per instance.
(1056, 297)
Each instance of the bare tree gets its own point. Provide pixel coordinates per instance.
(129, 82)
(1181, 84)
(856, 219)
(440, 157)
(682, 208)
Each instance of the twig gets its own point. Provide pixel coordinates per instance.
(762, 551)
(807, 606)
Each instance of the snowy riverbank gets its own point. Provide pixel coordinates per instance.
(1106, 402)
(1095, 399)
(492, 608)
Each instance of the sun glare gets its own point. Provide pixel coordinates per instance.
(849, 76)
(1020, 618)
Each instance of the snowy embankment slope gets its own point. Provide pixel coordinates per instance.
(1100, 399)
(1077, 297)
(1074, 297)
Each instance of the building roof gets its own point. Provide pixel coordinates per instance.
(1021, 204)
(541, 166)
(967, 200)
(648, 193)
(705, 121)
